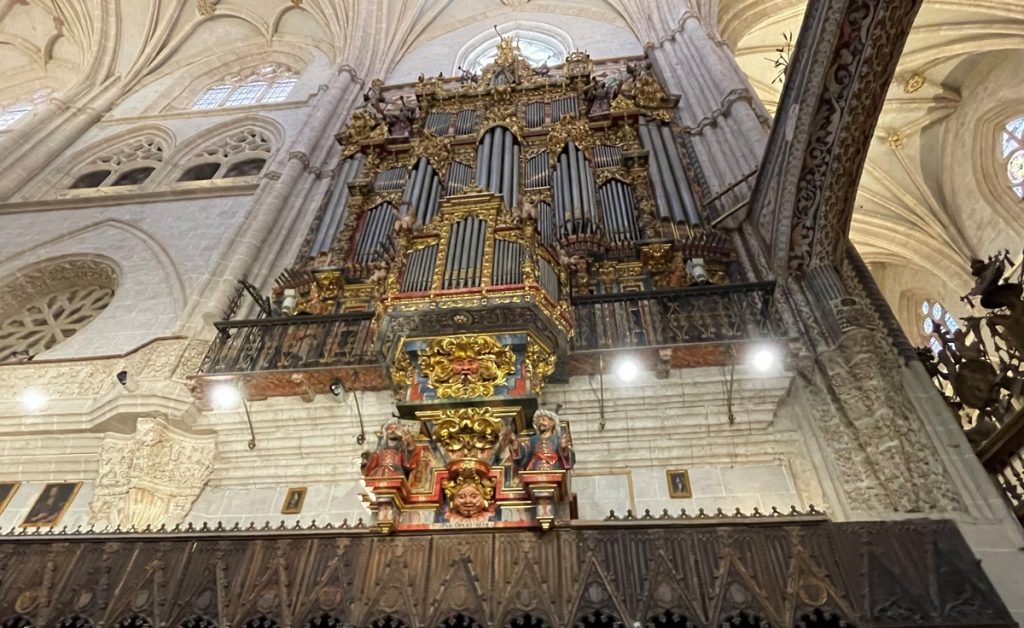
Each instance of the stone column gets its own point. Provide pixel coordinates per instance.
(718, 108)
(279, 203)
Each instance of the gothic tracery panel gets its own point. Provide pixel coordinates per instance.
(46, 306)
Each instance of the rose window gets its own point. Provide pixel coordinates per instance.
(45, 307)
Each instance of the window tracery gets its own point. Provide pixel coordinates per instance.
(11, 112)
(1012, 152)
(538, 43)
(265, 84)
(936, 320)
(45, 307)
(129, 164)
(240, 154)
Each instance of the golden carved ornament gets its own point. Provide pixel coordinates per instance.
(466, 366)
(501, 116)
(913, 83)
(622, 103)
(624, 136)
(539, 363)
(468, 430)
(205, 8)
(401, 369)
(468, 474)
(437, 150)
(648, 92)
(362, 127)
(578, 63)
(569, 128)
(603, 175)
(510, 63)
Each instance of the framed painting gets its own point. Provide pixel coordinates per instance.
(293, 500)
(678, 483)
(51, 504)
(7, 491)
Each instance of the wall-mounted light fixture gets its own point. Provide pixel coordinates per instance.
(33, 400)
(228, 396)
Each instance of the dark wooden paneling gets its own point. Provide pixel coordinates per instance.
(918, 573)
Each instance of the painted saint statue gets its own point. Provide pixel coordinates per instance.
(547, 449)
(396, 455)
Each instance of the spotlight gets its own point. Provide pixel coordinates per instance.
(225, 396)
(764, 359)
(336, 388)
(627, 369)
(33, 400)
(130, 385)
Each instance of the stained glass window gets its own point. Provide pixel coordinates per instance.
(936, 321)
(267, 83)
(1013, 152)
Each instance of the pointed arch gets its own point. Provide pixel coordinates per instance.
(124, 257)
(144, 146)
(224, 146)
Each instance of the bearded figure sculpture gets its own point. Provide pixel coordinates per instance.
(548, 449)
(396, 455)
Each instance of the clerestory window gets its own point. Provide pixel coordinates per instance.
(265, 84)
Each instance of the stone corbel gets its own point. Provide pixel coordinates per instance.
(151, 477)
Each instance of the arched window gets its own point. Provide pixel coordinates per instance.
(11, 112)
(538, 43)
(129, 164)
(264, 84)
(1013, 154)
(240, 154)
(936, 320)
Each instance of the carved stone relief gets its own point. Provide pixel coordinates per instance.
(151, 477)
(885, 459)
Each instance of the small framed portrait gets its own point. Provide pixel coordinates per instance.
(7, 491)
(293, 500)
(51, 504)
(678, 483)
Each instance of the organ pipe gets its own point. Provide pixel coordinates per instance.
(497, 164)
(574, 194)
(668, 175)
(337, 206)
(374, 233)
(420, 195)
(680, 180)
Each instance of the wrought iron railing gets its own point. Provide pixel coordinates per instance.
(294, 342)
(653, 318)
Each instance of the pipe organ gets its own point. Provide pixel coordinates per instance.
(515, 192)
(482, 233)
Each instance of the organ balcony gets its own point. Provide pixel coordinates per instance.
(559, 208)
